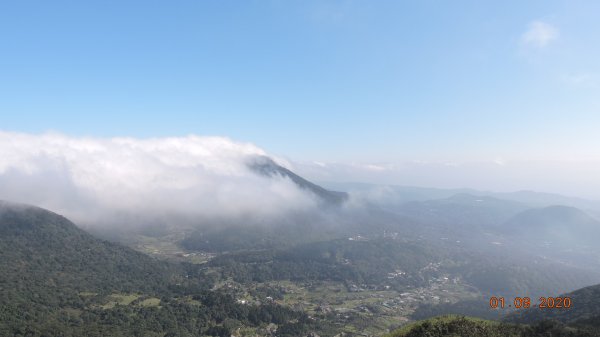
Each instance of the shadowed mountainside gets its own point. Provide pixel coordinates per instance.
(267, 167)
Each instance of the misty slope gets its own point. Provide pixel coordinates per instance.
(585, 309)
(561, 225)
(461, 216)
(267, 167)
(462, 210)
(259, 233)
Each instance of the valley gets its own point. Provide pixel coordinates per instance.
(368, 284)
(360, 271)
(311, 168)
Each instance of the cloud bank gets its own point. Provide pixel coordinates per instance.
(94, 180)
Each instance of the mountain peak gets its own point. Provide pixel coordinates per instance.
(267, 167)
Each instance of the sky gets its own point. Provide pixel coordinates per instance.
(368, 84)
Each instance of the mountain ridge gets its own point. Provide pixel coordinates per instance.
(267, 167)
(58, 280)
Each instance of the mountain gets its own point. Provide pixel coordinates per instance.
(57, 280)
(46, 263)
(48, 250)
(561, 225)
(460, 326)
(265, 166)
(585, 310)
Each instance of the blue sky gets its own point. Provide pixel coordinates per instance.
(366, 81)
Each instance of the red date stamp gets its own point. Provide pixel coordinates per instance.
(525, 303)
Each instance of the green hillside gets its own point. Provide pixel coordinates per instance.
(43, 249)
(57, 280)
(460, 326)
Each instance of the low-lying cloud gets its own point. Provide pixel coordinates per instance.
(92, 180)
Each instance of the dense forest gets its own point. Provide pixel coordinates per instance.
(339, 260)
(56, 280)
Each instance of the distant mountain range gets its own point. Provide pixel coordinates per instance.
(395, 194)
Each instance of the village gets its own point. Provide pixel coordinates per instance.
(359, 308)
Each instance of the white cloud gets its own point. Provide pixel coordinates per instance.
(373, 167)
(500, 161)
(88, 178)
(539, 34)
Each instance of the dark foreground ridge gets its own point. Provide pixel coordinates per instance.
(584, 311)
(460, 326)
